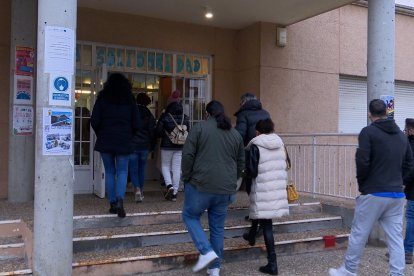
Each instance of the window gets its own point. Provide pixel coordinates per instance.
(353, 103)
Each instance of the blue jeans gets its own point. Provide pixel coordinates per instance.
(137, 162)
(116, 173)
(409, 229)
(388, 212)
(195, 204)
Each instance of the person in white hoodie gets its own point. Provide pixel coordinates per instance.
(266, 167)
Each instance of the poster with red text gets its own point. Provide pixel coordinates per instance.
(24, 61)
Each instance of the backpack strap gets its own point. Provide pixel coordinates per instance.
(182, 120)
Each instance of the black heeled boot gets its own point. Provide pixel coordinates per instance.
(120, 208)
(271, 267)
(113, 209)
(250, 236)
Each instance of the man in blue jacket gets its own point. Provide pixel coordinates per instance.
(383, 159)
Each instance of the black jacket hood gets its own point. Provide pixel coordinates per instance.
(250, 105)
(174, 108)
(387, 125)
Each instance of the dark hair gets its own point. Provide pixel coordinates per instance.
(143, 99)
(248, 97)
(216, 109)
(265, 126)
(409, 122)
(117, 89)
(377, 108)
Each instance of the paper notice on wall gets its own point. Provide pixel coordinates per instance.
(24, 61)
(59, 50)
(22, 120)
(389, 101)
(60, 89)
(23, 89)
(57, 131)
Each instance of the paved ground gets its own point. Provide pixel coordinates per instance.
(312, 264)
(373, 262)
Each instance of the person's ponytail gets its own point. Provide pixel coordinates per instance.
(216, 110)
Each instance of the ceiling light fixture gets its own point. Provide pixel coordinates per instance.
(208, 13)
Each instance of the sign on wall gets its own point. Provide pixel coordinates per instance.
(23, 89)
(24, 61)
(389, 101)
(59, 50)
(57, 131)
(60, 89)
(22, 120)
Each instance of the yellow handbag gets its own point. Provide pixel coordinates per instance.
(292, 193)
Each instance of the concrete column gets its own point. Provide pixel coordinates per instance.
(54, 174)
(21, 148)
(381, 48)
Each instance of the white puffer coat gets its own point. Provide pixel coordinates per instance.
(268, 197)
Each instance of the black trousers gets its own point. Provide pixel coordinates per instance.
(269, 240)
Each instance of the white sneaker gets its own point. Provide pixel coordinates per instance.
(138, 195)
(204, 260)
(340, 272)
(213, 271)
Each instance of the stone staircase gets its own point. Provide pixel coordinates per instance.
(15, 247)
(156, 241)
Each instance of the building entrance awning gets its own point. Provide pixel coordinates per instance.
(233, 14)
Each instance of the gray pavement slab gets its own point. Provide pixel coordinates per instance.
(373, 263)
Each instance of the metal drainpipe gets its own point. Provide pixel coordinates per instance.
(314, 164)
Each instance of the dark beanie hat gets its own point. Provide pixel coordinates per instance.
(409, 122)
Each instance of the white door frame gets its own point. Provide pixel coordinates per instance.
(98, 173)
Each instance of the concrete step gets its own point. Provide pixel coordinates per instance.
(184, 255)
(11, 241)
(174, 233)
(15, 266)
(168, 257)
(171, 216)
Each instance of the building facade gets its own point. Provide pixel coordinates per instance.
(303, 84)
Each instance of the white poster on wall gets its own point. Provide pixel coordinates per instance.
(57, 131)
(59, 49)
(60, 89)
(22, 120)
(23, 89)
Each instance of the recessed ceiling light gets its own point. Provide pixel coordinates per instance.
(208, 13)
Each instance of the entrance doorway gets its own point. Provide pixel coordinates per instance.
(195, 94)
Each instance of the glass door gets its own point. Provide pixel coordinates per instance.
(196, 97)
(82, 143)
(98, 172)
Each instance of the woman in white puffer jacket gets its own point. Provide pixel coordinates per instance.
(266, 167)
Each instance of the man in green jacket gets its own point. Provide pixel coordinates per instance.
(212, 160)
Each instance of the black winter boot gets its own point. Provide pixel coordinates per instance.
(251, 235)
(269, 269)
(120, 208)
(113, 209)
(251, 239)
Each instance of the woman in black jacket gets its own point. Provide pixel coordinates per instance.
(114, 120)
(171, 153)
(143, 142)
